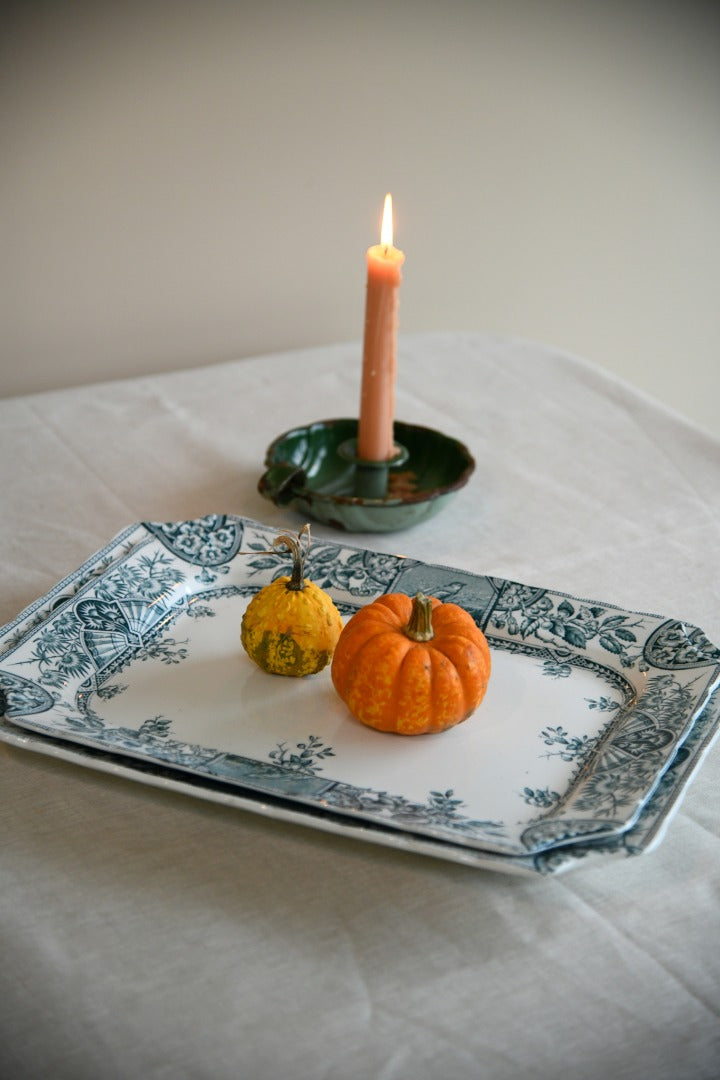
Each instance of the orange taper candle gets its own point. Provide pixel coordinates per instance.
(377, 395)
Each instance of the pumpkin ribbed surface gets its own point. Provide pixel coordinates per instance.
(392, 680)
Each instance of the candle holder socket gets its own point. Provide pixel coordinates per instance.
(315, 471)
(371, 477)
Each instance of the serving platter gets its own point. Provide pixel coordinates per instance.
(593, 724)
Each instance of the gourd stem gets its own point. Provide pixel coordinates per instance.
(294, 545)
(419, 628)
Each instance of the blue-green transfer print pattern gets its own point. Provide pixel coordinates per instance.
(60, 662)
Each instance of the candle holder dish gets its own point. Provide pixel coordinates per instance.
(315, 471)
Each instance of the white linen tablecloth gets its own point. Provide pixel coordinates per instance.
(147, 934)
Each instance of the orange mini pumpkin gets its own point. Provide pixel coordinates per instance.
(411, 665)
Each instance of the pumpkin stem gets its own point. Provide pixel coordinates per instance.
(420, 627)
(294, 544)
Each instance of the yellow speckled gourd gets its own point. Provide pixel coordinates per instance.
(411, 666)
(291, 627)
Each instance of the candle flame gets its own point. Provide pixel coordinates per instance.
(386, 231)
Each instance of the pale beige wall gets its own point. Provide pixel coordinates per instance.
(187, 182)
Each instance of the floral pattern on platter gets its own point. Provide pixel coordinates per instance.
(613, 770)
(293, 771)
(354, 573)
(209, 542)
(676, 645)
(528, 612)
(644, 832)
(131, 604)
(57, 668)
(641, 837)
(22, 696)
(94, 569)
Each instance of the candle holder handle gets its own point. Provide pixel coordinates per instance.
(281, 482)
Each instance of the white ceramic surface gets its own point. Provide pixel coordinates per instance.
(593, 723)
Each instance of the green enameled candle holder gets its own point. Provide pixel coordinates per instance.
(315, 471)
